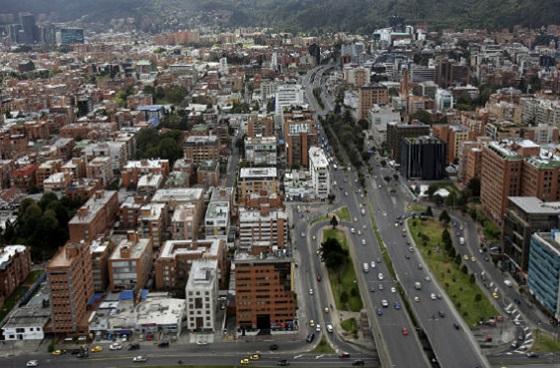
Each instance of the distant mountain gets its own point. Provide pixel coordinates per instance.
(308, 15)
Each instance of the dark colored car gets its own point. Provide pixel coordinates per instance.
(273, 347)
(310, 337)
(344, 355)
(134, 346)
(163, 344)
(359, 362)
(456, 325)
(283, 363)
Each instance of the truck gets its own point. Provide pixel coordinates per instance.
(417, 285)
(365, 267)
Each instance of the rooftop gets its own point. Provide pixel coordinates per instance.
(178, 195)
(217, 210)
(202, 274)
(201, 139)
(137, 248)
(318, 157)
(89, 210)
(64, 257)
(207, 247)
(8, 252)
(257, 172)
(533, 205)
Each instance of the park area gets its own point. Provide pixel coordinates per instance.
(454, 278)
(342, 275)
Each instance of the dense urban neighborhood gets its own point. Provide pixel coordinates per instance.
(212, 196)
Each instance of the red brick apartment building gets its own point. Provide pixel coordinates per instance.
(95, 217)
(15, 264)
(70, 278)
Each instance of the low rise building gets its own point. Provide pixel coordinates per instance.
(200, 148)
(253, 180)
(95, 217)
(261, 151)
(153, 220)
(319, 171)
(15, 265)
(131, 263)
(264, 225)
(185, 222)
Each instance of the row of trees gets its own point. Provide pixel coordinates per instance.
(172, 94)
(42, 225)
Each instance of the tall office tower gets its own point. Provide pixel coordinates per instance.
(29, 27)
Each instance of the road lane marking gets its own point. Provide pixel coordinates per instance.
(298, 356)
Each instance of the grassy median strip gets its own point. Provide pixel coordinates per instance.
(344, 214)
(323, 347)
(350, 325)
(545, 343)
(459, 286)
(343, 281)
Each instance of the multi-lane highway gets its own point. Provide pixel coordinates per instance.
(452, 347)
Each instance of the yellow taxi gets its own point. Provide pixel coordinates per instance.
(495, 295)
(244, 361)
(96, 349)
(57, 352)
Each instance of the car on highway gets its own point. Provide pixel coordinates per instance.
(427, 278)
(508, 283)
(344, 355)
(32, 363)
(310, 291)
(379, 311)
(397, 306)
(420, 266)
(163, 344)
(346, 194)
(417, 299)
(393, 289)
(532, 355)
(380, 287)
(405, 331)
(359, 232)
(255, 356)
(318, 278)
(352, 230)
(441, 314)
(363, 242)
(433, 296)
(302, 234)
(384, 303)
(372, 264)
(311, 323)
(310, 337)
(244, 361)
(283, 363)
(139, 359)
(466, 257)
(318, 328)
(57, 352)
(358, 363)
(456, 326)
(273, 347)
(314, 237)
(115, 346)
(410, 249)
(380, 276)
(133, 346)
(326, 309)
(329, 327)
(96, 349)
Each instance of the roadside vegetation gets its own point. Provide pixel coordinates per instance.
(350, 325)
(18, 293)
(344, 214)
(342, 276)
(323, 347)
(434, 243)
(545, 343)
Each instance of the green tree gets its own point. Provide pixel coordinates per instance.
(444, 217)
(334, 222)
(474, 187)
(344, 297)
(478, 298)
(333, 254)
(429, 212)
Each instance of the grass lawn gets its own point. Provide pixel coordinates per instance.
(350, 325)
(456, 283)
(323, 347)
(545, 343)
(32, 277)
(344, 214)
(415, 207)
(344, 281)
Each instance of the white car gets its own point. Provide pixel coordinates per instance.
(380, 276)
(302, 235)
(393, 289)
(32, 363)
(318, 328)
(310, 291)
(372, 264)
(363, 242)
(352, 230)
(330, 328)
(355, 219)
(115, 346)
(433, 296)
(359, 232)
(417, 299)
(384, 303)
(139, 359)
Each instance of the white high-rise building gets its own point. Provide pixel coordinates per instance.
(224, 66)
(274, 61)
(201, 293)
(288, 95)
(319, 170)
